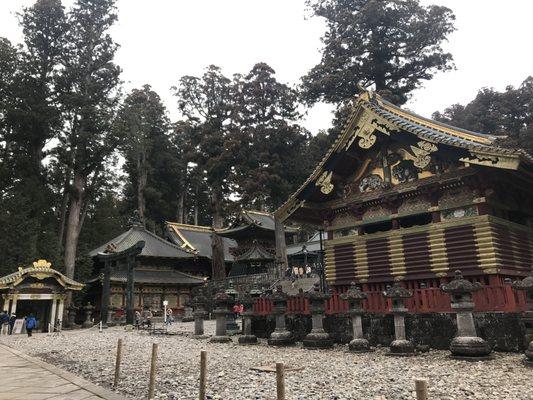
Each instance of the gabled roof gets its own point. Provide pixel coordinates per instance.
(255, 253)
(41, 269)
(197, 239)
(155, 277)
(155, 246)
(253, 220)
(373, 116)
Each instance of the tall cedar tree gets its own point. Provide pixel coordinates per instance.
(144, 129)
(508, 113)
(31, 117)
(392, 45)
(89, 83)
(272, 144)
(207, 104)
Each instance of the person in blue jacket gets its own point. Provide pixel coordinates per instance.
(31, 324)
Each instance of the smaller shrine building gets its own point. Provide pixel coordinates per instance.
(39, 290)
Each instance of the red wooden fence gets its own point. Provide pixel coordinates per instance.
(427, 300)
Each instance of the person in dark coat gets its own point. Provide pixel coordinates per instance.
(4, 321)
(31, 324)
(12, 320)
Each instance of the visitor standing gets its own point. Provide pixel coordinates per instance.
(4, 323)
(12, 320)
(31, 324)
(169, 320)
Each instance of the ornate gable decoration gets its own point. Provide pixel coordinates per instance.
(40, 270)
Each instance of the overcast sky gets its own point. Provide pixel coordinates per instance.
(162, 40)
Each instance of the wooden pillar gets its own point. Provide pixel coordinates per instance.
(60, 311)
(130, 287)
(6, 302)
(281, 247)
(106, 287)
(13, 304)
(53, 312)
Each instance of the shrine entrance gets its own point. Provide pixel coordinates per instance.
(41, 310)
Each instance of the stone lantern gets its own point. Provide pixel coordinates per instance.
(89, 308)
(354, 296)
(72, 310)
(231, 324)
(526, 284)
(318, 338)
(110, 313)
(223, 303)
(466, 345)
(400, 346)
(281, 336)
(199, 302)
(247, 301)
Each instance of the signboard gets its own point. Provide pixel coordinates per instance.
(19, 326)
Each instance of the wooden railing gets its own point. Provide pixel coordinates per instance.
(427, 300)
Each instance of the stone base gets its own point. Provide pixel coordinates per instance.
(360, 345)
(472, 358)
(87, 325)
(318, 340)
(247, 339)
(200, 336)
(220, 339)
(469, 346)
(528, 362)
(401, 348)
(187, 319)
(280, 338)
(232, 327)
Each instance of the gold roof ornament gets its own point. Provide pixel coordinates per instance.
(41, 264)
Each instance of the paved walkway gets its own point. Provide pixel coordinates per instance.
(25, 377)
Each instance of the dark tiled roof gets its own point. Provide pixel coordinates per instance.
(197, 239)
(154, 245)
(157, 276)
(255, 253)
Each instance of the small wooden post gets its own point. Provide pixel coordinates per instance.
(421, 387)
(280, 381)
(203, 374)
(151, 387)
(117, 363)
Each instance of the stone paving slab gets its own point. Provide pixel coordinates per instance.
(26, 378)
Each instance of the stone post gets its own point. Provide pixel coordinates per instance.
(526, 284)
(354, 296)
(400, 346)
(89, 308)
(466, 345)
(318, 338)
(199, 313)
(223, 303)
(247, 301)
(231, 325)
(281, 336)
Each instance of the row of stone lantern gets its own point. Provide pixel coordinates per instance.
(465, 345)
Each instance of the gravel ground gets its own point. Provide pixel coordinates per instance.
(327, 374)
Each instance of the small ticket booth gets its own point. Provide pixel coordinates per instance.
(38, 290)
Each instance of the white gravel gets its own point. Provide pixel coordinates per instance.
(328, 374)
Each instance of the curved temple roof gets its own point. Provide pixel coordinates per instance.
(372, 115)
(41, 269)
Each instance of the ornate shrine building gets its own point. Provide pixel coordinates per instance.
(405, 198)
(198, 240)
(163, 271)
(38, 289)
(255, 250)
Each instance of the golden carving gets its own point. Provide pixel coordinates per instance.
(324, 182)
(422, 153)
(41, 264)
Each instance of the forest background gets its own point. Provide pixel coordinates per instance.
(78, 154)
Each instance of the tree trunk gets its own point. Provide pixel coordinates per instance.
(64, 207)
(142, 179)
(196, 206)
(217, 260)
(73, 223)
(181, 207)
